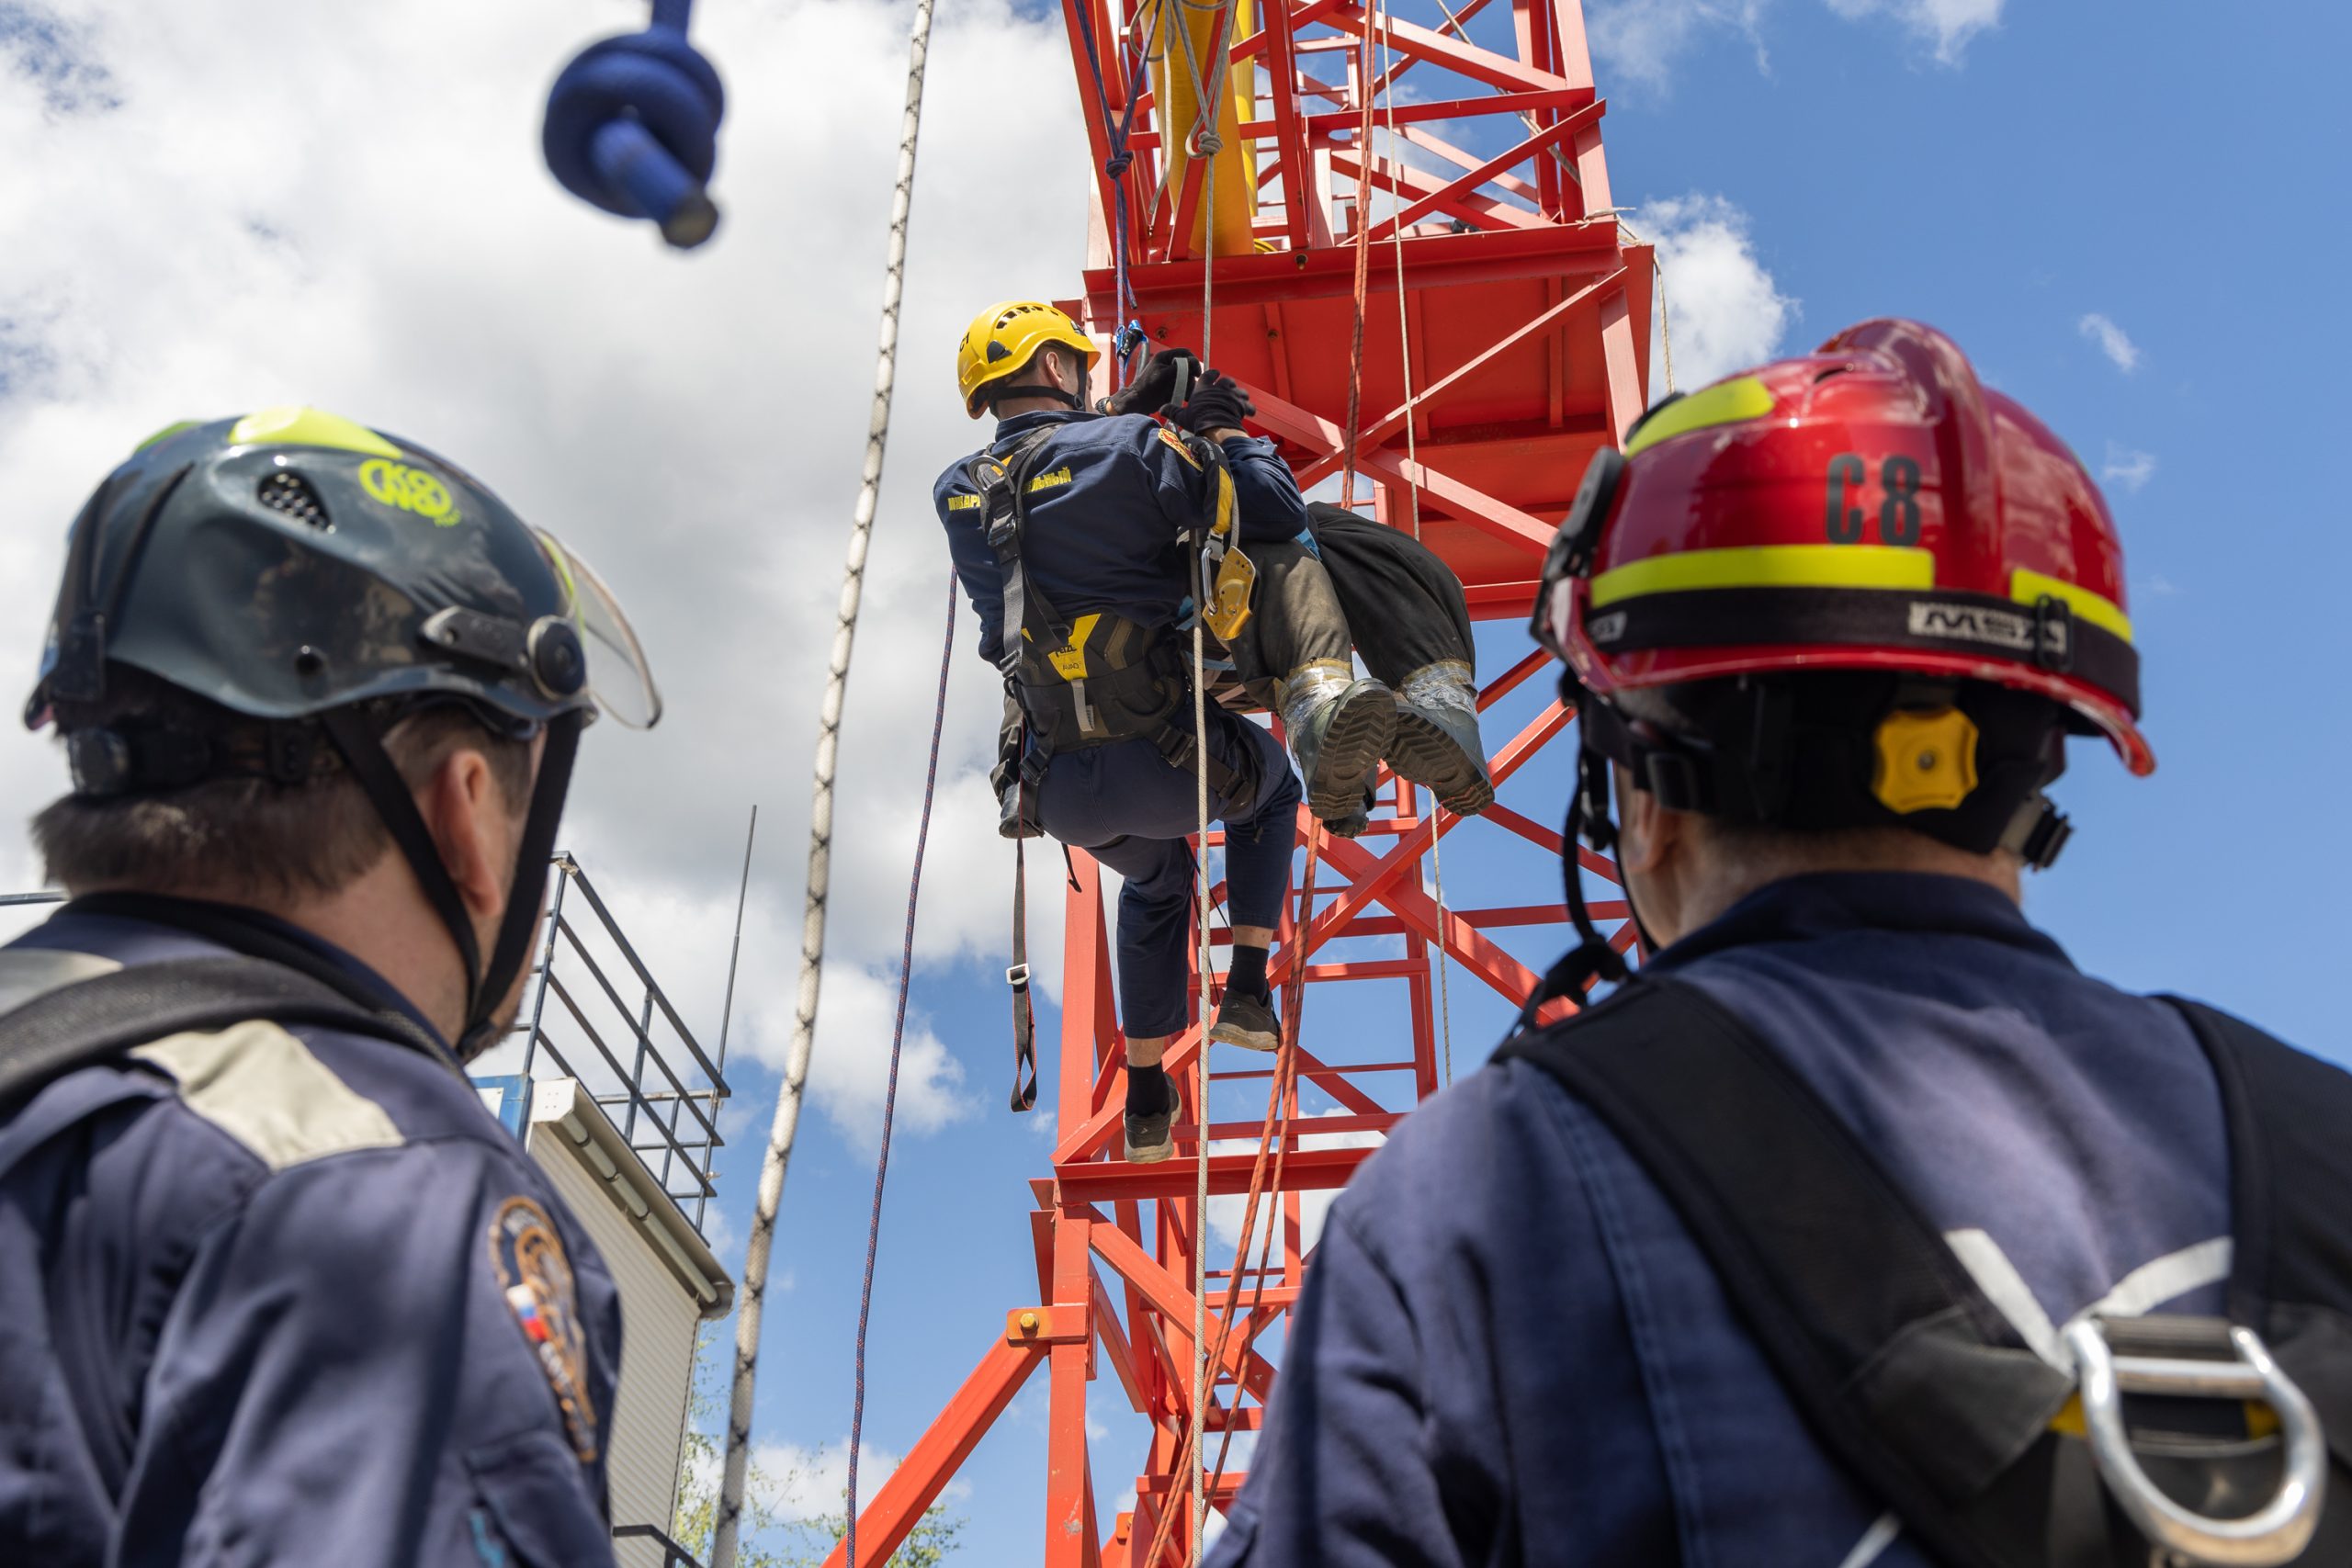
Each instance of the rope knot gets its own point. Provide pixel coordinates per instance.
(1118, 164)
(632, 127)
(1205, 142)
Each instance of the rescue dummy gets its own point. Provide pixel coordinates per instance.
(275, 1288)
(1856, 1225)
(1355, 582)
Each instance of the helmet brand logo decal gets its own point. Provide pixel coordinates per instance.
(410, 489)
(1606, 628)
(1974, 622)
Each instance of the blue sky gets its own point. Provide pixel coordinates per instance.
(2178, 177)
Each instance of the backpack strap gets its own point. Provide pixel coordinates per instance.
(1901, 1366)
(2291, 1199)
(1001, 481)
(87, 1021)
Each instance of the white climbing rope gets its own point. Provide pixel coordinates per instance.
(1205, 143)
(820, 828)
(1413, 493)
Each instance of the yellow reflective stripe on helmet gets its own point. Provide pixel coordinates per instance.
(292, 424)
(1726, 403)
(2031, 588)
(1769, 566)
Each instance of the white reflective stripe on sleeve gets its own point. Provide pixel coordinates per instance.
(1875, 1540)
(2144, 1289)
(2175, 1274)
(2006, 1288)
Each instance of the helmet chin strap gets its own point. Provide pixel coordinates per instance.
(486, 987)
(1592, 959)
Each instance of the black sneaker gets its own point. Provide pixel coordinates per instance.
(1151, 1138)
(1247, 1021)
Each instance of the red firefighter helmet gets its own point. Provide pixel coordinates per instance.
(1869, 506)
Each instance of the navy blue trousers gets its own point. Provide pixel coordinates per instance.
(1123, 805)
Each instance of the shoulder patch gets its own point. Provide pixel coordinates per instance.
(959, 501)
(1176, 442)
(28, 973)
(262, 1086)
(1054, 480)
(537, 1279)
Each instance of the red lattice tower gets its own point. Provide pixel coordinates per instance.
(1528, 318)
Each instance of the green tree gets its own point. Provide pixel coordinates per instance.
(701, 1462)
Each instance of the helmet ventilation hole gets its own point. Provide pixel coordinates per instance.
(291, 494)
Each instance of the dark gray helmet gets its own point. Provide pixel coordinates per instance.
(292, 561)
(327, 580)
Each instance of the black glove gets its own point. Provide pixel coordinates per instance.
(1157, 384)
(1218, 403)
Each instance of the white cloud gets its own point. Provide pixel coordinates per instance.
(1722, 306)
(806, 1481)
(1643, 38)
(1226, 1214)
(2130, 468)
(1948, 25)
(2112, 341)
(193, 233)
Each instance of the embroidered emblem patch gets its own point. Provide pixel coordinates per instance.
(537, 1279)
(1176, 442)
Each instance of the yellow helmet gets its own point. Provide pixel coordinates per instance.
(1003, 338)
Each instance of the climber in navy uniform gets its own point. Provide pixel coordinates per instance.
(275, 1288)
(1857, 1226)
(1095, 509)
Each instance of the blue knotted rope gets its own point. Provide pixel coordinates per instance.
(632, 127)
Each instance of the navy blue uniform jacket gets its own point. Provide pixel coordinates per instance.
(256, 1308)
(1107, 497)
(1509, 1351)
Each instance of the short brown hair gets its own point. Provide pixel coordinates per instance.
(246, 837)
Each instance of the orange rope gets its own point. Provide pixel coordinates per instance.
(1364, 271)
(1286, 1076)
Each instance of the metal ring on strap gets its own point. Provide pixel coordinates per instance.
(2277, 1532)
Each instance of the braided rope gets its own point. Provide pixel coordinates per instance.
(787, 1124)
(1413, 494)
(890, 1088)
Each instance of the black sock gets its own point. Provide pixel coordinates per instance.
(1147, 1090)
(1247, 971)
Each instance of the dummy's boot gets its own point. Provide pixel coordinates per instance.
(1354, 823)
(1338, 727)
(1436, 740)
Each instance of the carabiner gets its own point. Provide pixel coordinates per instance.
(2273, 1534)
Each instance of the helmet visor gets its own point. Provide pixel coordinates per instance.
(619, 679)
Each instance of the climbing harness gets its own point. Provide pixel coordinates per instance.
(778, 1158)
(632, 127)
(1991, 1453)
(1093, 679)
(890, 1086)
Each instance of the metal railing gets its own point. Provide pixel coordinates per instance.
(623, 1041)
